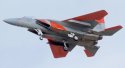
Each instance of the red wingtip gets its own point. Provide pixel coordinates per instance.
(58, 51)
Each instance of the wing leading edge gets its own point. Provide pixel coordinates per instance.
(99, 15)
(94, 20)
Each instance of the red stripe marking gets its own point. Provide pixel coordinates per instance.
(101, 21)
(57, 26)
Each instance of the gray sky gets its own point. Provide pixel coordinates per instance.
(22, 49)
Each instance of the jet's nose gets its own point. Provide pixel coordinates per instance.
(12, 21)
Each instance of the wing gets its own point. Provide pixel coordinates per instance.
(90, 20)
(57, 48)
(90, 48)
(92, 16)
(57, 45)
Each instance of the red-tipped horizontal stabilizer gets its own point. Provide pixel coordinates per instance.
(91, 51)
(111, 31)
(89, 54)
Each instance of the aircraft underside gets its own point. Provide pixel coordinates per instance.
(63, 36)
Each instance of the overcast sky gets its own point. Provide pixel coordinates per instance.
(22, 49)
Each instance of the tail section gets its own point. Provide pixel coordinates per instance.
(91, 51)
(111, 31)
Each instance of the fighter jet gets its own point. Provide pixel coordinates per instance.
(85, 31)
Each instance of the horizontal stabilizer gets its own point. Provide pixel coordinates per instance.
(111, 31)
(91, 51)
